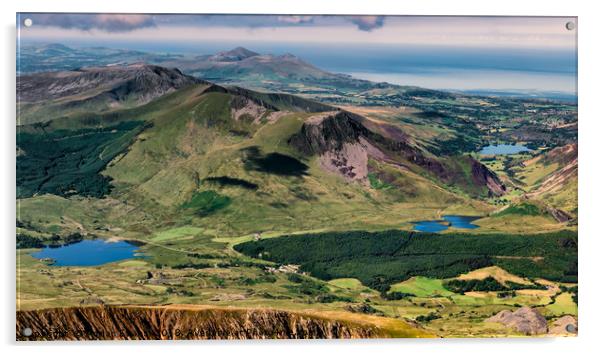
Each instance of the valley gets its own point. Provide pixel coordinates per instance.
(254, 184)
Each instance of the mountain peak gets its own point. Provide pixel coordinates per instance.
(54, 49)
(139, 82)
(288, 56)
(236, 54)
(57, 46)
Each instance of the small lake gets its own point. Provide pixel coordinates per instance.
(503, 149)
(455, 221)
(89, 253)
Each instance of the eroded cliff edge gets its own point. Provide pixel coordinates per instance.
(186, 322)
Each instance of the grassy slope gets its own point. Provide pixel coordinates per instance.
(524, 176)
(421, 287)
(551, 178)
(497, 273)
(163, 169)
(189, 142)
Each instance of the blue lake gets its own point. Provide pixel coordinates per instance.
(503, 149)
(89, 253)
(430, 226)
(455, 221)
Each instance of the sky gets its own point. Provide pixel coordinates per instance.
(362, 45)
(507, 32)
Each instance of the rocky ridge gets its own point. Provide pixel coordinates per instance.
(185, 322)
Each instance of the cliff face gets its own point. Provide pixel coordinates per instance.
(344, 141)
(153, 323)
(328, 132)
(483, 176)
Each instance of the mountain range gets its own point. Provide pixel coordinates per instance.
(344, 142)
(265, 186)
(336, 141)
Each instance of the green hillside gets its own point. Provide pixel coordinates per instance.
(238, 197)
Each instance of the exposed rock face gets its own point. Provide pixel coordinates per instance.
(151, 323)
(341, 142)
(483, 176)
(525, 320)
(242, 107)
(328, 133)
(564, 326)
(559, 215)
(351, 161)
(344, 141)
(119, 82)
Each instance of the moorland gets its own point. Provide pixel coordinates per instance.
(263, 183)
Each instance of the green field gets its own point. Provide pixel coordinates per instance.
(563, 305)
(421, 287)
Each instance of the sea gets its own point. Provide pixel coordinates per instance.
(485, 70)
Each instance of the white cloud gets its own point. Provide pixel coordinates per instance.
(86, 22)
(296, 19)
(436, 31)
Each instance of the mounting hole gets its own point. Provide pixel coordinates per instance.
(27, 332)
(570, 25)
(28, 22)
(571, 328)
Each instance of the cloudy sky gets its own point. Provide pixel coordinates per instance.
(500, 32)
(527, 53)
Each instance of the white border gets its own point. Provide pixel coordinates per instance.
(589, 143)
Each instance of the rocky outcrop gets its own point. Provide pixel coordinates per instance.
(328, 133)
(564, 326)
(345, 141)
(351, 160)
(341, 141)
(559, 215)
(483, 176)
(184, 322)
(244, 108)
(524, 320)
